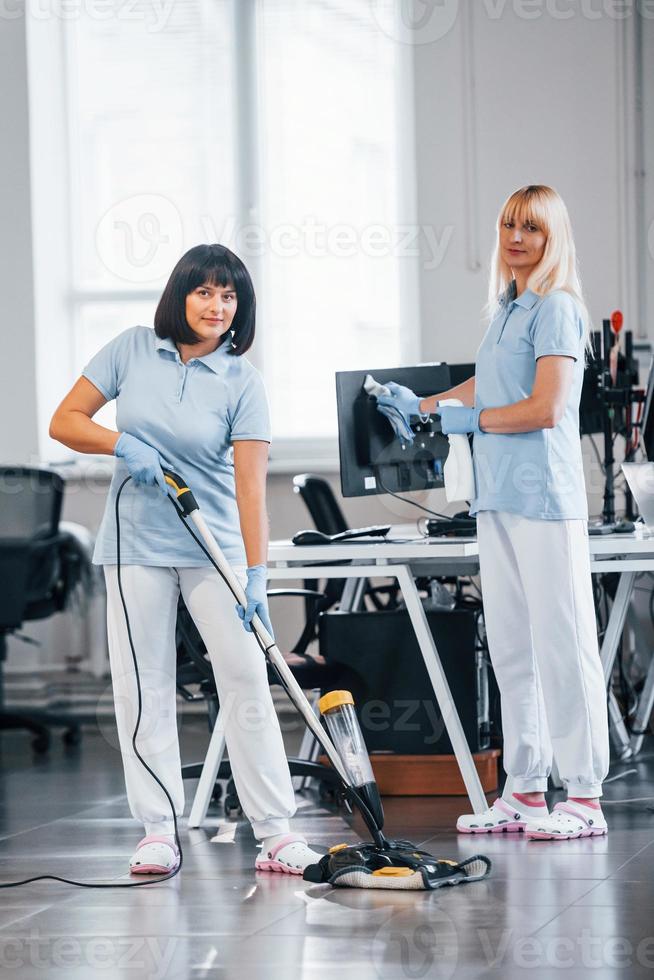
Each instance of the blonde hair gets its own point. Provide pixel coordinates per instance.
(557, 268)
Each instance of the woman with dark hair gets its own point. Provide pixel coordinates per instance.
(187, 400)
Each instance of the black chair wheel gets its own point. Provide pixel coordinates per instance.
(232, 805)
(41, 743)
(327, 792)
(72, 736)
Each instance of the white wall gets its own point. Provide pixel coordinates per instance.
(18, 395)
(647, 246)
(542, 101)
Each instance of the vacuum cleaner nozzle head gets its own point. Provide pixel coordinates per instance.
(398, 866)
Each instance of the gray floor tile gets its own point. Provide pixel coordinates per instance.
(621, 892)
(214, 919)
(14, 915)
(599, 938)
(68, 815)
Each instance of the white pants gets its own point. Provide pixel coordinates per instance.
(252, 733)
(542, 637)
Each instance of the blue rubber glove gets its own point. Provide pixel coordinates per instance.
(143, 462)
(398, 407)
(399, 422)
(457, 419)
(400, 398)
(257, 599)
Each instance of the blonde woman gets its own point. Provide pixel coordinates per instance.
(523, 407)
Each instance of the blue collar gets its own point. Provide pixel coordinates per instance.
(214, 361)
(526, 300)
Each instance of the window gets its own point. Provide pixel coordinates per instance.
(271, 126)
(151, 131)
(329, 201)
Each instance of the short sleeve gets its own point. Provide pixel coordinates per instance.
(557, 327)
(105, 369)
(252, 417)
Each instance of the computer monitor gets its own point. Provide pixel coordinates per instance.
(460, 373)
(373, 460)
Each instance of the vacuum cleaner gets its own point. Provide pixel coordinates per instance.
(382, 863)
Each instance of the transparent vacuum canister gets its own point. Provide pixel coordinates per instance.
(337, 708)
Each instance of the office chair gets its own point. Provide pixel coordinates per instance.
(321, 503)
(37, 576)
(328, 517)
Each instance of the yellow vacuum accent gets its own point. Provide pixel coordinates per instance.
(185, 499)
(179, 490)
(337, 847)
(334, 699)
(393, 872)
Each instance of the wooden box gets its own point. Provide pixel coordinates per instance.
(429, 775)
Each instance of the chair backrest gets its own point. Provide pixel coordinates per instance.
(30, 508)
(30, 503)
(321, 503)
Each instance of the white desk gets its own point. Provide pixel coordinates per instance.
(404, 556)
(626, 554)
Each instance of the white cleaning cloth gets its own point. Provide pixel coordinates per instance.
(458, 472)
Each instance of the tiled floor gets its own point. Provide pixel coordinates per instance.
(578, 909)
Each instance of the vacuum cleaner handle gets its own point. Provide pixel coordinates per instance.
(272, 650)
(189, 507)
(183, 493)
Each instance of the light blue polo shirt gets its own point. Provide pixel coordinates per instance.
(190, 413)
(537, 474)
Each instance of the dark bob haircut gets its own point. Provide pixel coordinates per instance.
(213, 265)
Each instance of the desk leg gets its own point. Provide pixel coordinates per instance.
(352, 593)
(617, 728)
(644, 713)
(309, 748)
(616, 622)
(608, 653)
(555, 778)
(441, 688)
(207, 781)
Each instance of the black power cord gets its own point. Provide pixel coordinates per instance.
(349, 793)
(414, 503)
(171, 874)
